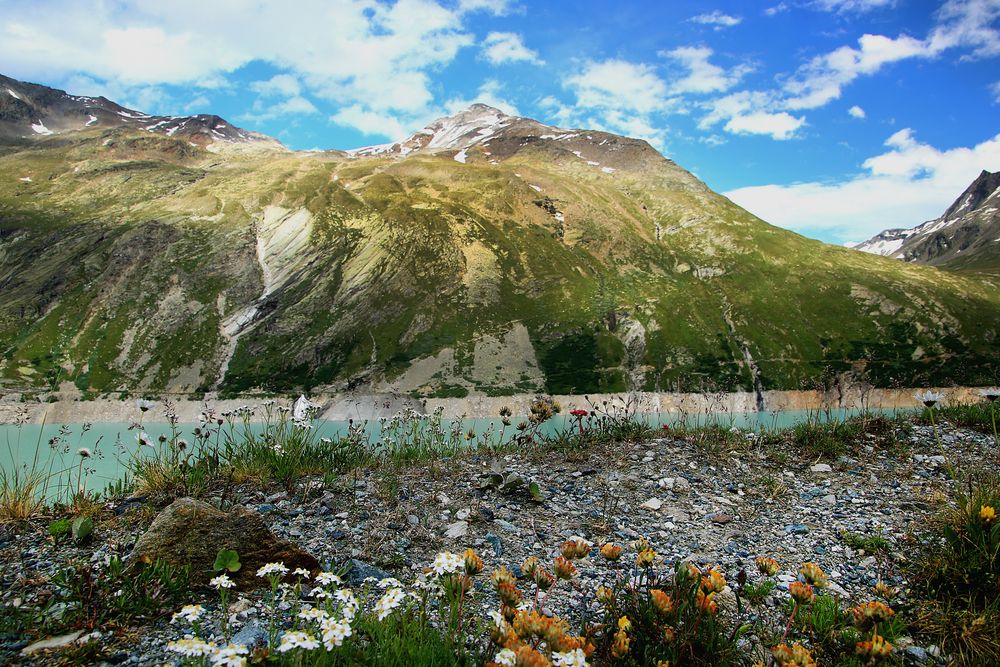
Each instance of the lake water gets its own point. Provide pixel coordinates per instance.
(53, 448)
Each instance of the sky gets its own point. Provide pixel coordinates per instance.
(834, 118)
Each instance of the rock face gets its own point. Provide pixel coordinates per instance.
(191, 532)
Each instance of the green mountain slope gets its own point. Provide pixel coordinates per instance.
(517, 260)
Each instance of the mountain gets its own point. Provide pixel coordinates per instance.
(28, 110)
(967, 236)
(485, 253)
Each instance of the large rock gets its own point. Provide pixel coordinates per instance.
(190, 532)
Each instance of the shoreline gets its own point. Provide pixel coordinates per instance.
(345, 406)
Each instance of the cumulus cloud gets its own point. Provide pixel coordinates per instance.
(856, 112)
(717, 19)
(909, 183)
(703, 76)
(507, 47)
(371, 56)
(489, 93)
(751, 112)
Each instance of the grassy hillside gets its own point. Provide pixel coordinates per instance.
(136, 262)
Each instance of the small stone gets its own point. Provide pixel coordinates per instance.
(721, 519)
(413, 520)
(681, 485)
(51, 642)
(821, 467)
(652, 504)
(457, 530)
(796, 529)
(463, 513)
(830, 499)
(251, 635)
(496, 542)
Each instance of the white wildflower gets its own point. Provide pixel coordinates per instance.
(313, 614)
(388, 602)
(929, 398)
(191, 648)
(390, 582)
(327, 578)
(189, 613)
(230, 656)
(991, 393)
(447, 563)
(505, 658)
(574, 658)
(144, 439)
(301, 572)
(321, 594)
(294, 640)
(278, 449)
(272, 569)
(221, 581)
(335, 632)
(83, 452)
(144, 405)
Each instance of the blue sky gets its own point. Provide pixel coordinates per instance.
(835, 118)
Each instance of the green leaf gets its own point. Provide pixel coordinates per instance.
(227, 559)
(535, 491)
(59, 528)
(83, 526)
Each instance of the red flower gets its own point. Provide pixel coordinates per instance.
(578, 413)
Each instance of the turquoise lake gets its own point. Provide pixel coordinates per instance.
(28, 446)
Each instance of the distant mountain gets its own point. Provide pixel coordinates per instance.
(29, 110)
(486, 253)
(967, 236)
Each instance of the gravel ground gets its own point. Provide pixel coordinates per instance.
(715, 507)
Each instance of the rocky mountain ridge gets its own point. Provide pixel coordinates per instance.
(967, 235)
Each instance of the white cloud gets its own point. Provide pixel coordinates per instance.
(909, 183)
(618, 96)
(717, 19)
(781, 125)
(266, 110)
(856, 112)
(703, 76)
(279, 84)
(995, 89)
(777, 9)
(751, 112)
(489, 93)
(969, 24)
(507, 47)
(377, 56)
(823, 78)
(370, 122)
(619, 84)
(859, 6)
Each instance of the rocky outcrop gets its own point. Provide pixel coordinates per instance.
(191, 532)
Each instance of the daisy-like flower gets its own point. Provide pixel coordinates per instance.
(143, 439)
(191, 648)
(312, 614)
(991, 394)
(346, 597)
(230, 656)
(278, 449)
(574, 658)
(189, 613)
(327, 578)
(388, 602)
(301, 572)
(335, 632)
(221, 581)
(321, 593)
(293, 640)
(144, 405)
(447, 563)
(83, 452)
(505, 658)
(929, 398)
(389, 582)
(272, 569)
